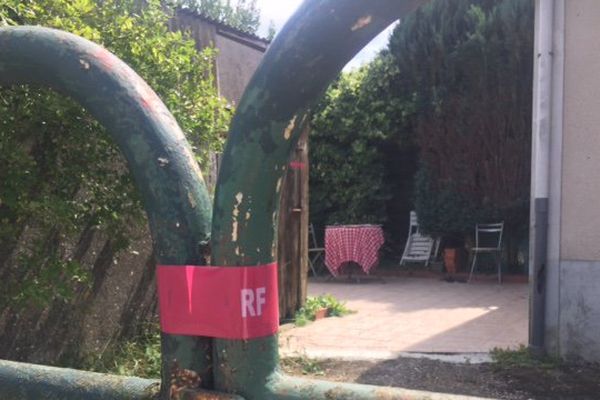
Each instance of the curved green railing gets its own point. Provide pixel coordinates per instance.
(307, 55)
(157, 153)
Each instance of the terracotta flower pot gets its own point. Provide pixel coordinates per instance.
(321, 313)
(451, 260)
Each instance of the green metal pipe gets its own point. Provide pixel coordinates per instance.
(292, 388)
(157, 153)
(305, 57)
(20, 381)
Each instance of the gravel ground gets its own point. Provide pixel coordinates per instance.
(494, 380)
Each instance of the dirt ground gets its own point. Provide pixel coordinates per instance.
(494, 380)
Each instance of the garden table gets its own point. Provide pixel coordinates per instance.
(352, 243)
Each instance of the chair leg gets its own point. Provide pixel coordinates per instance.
(312, 267)
(473, 266)
(311, 262)
(499, 261)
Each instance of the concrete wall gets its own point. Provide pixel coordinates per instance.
(238, 53)
(581, 143)
(573, 269)
(580, 213)
(237, 60)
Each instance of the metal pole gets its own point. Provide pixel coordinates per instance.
(541, 144)
(20, 381)
(157, 152)
(306, 56)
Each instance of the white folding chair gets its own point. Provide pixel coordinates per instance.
(314, 252)
(488, 239)
(418, 247)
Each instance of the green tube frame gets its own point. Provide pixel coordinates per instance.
(308, 53)
(157, 153)
(305, 57)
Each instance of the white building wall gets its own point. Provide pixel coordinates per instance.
(572, 314)
(579, 315)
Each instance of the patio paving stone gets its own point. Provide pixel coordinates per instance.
(413, 315)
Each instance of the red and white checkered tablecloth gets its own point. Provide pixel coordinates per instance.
(357, 243)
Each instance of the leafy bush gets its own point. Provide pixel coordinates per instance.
(313, 304)
(444, 211)
(450, 97)
(467, 65)
(62, 176)
(352, 126)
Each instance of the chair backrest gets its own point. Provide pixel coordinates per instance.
(313, 238)
(413, 226)
(489, 235)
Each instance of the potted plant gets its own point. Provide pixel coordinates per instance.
(451, 261)
(321, 313)
(454, 255)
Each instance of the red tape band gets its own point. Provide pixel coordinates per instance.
(220, 302)
(297, 165)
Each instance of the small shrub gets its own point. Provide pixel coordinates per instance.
(314, 304)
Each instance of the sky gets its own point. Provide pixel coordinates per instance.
(279, 11)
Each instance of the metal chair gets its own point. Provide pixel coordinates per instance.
(314, 252)
(418, 247)
(488, 239)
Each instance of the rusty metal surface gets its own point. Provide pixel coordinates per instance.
(157, 152)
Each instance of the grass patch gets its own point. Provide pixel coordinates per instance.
(307, 313)
(522, 357)
(137, 357)
(303, 364)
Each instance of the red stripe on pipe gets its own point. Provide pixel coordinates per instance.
(227, 303)
(297, 165)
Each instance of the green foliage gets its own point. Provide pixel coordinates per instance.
(522, 357)
(272, 31)
(351, 128)
(241, 14)
(446, 211)
(140, 356)
(61, 174)
(451, 98)
(468, 67)
(306, 365)
(313, 304)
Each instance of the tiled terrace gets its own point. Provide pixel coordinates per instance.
(413, 315)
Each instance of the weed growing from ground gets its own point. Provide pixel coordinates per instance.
(522, 357)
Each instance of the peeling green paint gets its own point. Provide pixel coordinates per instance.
(157, 153)
(308, 53)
